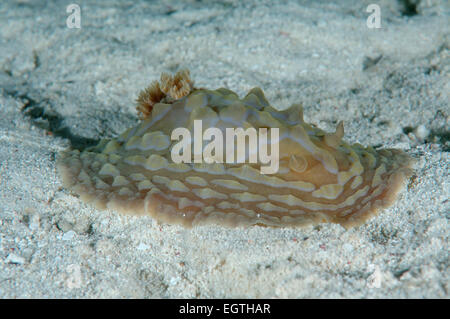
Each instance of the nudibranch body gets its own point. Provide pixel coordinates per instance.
(320, 177)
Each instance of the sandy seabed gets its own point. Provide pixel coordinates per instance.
(62, 87)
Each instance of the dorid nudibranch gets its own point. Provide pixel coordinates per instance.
(321, 178)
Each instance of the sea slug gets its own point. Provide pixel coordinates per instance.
(319, 178)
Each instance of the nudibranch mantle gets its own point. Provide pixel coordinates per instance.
(321, 178)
